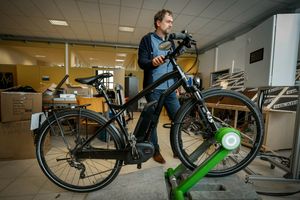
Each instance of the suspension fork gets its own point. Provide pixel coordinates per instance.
(205, 113)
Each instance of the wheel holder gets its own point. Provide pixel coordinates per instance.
(179, 191)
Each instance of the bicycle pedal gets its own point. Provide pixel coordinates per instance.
(139, 166)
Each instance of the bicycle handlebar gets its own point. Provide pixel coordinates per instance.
(186, 41)
(179, 36)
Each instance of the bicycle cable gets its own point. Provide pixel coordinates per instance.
(196, 60)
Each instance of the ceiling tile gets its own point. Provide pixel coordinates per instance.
(195, 7)
(69, 9)
(97, 37)
(94, 28)
(226, 28)
(211, 26)
(43, 24)
(110, 14)
(175, 5)
(79, 29)
(8, 7)
(124, 37)
(132, 3)
(65, 31)
(93, 1)
(28, 8)
(7, 22)
(154, 4)
(26, 23)
(83, 35)
(90, 11)
(139, 32)
(39, 34)
(127, 19)
(111, 39)
(197, 23)
(48, 8)
(236, 9)
(146, 18)
(216, 8)
(54, 34)
(183, 20)
(110, 29)
(256, 11)
(111, 2)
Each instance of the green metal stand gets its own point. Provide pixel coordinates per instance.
(229, 139)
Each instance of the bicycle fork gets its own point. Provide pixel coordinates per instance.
(205, 113)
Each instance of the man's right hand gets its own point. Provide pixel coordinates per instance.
(158, 61)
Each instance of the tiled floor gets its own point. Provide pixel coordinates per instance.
(23, 179)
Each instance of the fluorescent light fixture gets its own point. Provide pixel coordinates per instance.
(58, 22)
(121, 54)
(39, 56)
(119, 60)
(126, 29)
(119, 67)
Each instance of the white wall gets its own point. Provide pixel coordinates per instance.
(206, 66)
(11, 56)
(231, 55)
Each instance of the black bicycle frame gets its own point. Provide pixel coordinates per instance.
(117, 110)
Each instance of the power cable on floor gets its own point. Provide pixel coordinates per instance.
(278, 194)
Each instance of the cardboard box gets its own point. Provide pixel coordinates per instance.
(16, 141)
(16, 106)
(97, 104)
(78, 90)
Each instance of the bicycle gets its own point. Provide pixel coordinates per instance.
(81, 150)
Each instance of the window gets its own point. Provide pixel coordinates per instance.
(108, 82)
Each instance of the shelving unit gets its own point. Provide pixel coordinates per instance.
(279, 109)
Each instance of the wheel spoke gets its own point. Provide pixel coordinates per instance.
(56, 157)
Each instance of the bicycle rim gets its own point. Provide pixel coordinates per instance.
(61, 136)
(229, 109)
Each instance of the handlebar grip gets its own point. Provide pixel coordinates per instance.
(178, 36)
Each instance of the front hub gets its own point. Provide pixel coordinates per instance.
(229, 138)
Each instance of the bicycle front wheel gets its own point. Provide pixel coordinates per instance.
(61, 135)
(193, 140)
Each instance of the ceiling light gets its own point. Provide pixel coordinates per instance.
(119, 67)
(119, 60)
(126, 29)
(58, 22)
(121, 54)
(39, 56)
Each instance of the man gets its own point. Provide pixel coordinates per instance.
(151, 60)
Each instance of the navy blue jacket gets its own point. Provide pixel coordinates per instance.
(145, 56)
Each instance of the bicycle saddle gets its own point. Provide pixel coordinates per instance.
(93, 79)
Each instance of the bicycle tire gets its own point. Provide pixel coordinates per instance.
(236, 160)
(57, 163)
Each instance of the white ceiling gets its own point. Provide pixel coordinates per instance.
(97, 22)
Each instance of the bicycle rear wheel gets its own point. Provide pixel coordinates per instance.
(192, 139)
(61, 135)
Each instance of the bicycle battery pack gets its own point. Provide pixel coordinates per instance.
(144, 122)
